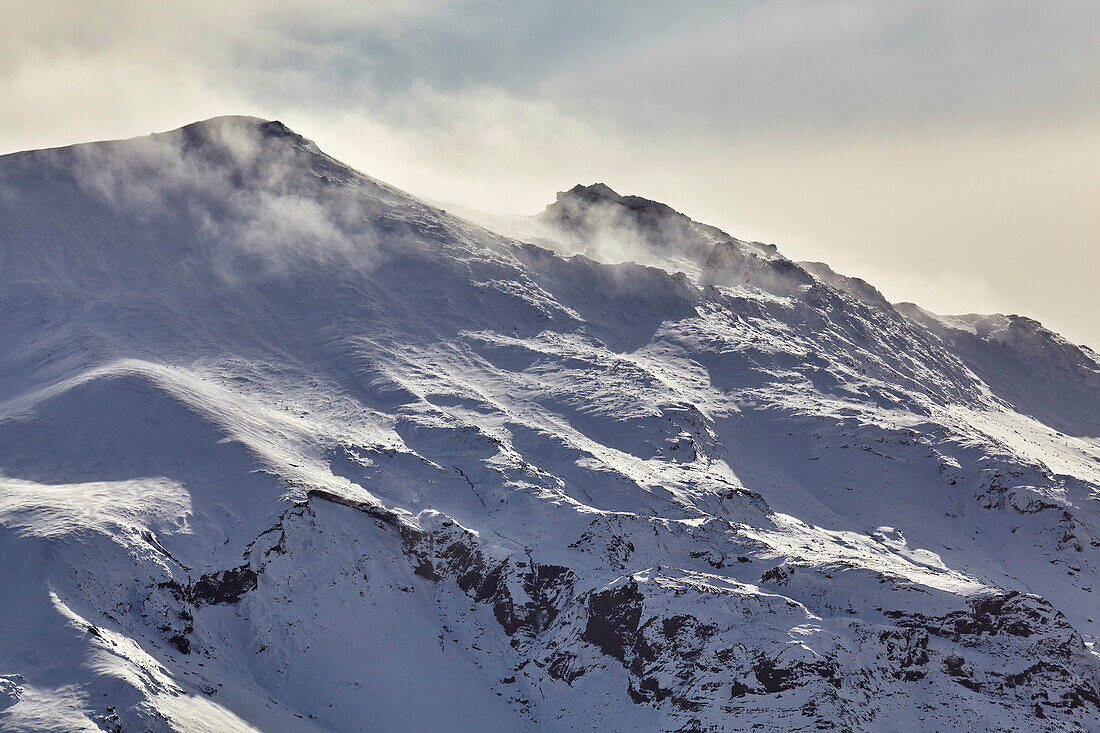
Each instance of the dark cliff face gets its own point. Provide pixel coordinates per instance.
(702, 656)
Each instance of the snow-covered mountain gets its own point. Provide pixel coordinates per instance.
(284, 448)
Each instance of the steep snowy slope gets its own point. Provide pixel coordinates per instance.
(283, 448)
(1038, 372)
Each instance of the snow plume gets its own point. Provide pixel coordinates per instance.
(612, 236)
(600, 223)
(247, 190)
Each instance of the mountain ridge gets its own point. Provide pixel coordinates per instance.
(284, 448)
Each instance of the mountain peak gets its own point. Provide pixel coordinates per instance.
(612, 226)
(235, 131)
(219, 120)
(236, 123)
(593, 192)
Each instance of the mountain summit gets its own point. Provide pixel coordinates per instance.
(285, 448)
(606, 224)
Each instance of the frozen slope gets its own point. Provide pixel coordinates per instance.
(283, 448)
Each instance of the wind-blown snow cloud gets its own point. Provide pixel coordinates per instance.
(241, 193)
(907, 142)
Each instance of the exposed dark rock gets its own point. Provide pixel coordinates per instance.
(779, 575)
(772, 678)
(613, 619)
(226, 586)
(181, 642)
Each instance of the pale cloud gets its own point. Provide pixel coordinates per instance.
(945, 151)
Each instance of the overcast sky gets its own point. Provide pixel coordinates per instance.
(949, 152)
